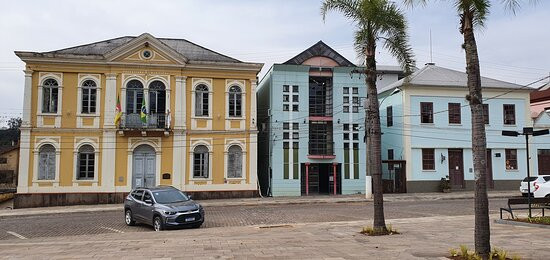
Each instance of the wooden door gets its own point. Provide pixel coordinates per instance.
(456, 168)
(490, 182)
(543, 156)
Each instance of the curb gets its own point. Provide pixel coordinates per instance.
(519, 223)
(259, 202)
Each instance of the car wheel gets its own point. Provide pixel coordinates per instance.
(158, 225)
(129, 218)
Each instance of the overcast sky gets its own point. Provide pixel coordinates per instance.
(512, 48)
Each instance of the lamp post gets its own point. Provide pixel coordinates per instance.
(527, 131)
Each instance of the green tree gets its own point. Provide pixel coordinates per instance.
(473, 15)
(14, 123)
(375, 21)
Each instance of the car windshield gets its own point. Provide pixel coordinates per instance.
(169, 196)
(529, 179)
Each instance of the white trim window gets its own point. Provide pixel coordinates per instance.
(50, 96)
(46, 162)
(200, 162)
(201, 100)
(234, 162)
(86, 163)
(134, 96)
(235, 101)
(89, 97)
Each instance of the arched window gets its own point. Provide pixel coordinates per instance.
(235, 101)
(235, 162)
(46, 162)
(201, 100)
(89, 93)
(86, 162)
(200, 162)
(50, 95)
(134, 97)
(157, 97)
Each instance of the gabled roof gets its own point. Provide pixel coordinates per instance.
(190, 51)
(432, 75)
(320, 49)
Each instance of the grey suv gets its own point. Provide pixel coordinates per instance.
(162, 207)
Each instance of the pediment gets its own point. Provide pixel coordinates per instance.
(146, 49)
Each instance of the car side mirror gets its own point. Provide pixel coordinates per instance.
(148, 201)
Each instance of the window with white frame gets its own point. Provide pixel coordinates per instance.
(46, 162)
(235, 162)
(89, 97)
(235, 101)
(201, 100)
(200, 162)
(86, 163)
(50, 95)
(134, 97)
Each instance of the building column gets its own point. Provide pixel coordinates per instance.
(253, 109)
(252, 153)
(108, 159)
(334, 182)
(24, 159)
(27, 102)
(179, 159)
(181, 109)
(307, 179)
(110, 101)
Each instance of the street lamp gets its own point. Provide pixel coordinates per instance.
(527, 131)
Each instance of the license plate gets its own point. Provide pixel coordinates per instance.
(189, 219)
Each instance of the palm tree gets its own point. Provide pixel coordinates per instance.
(473, 14)
(376, 21)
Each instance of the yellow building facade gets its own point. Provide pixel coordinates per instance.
(187, 119)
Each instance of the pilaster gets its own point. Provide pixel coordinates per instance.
(110, 101)
(181, 106)
(27, 101)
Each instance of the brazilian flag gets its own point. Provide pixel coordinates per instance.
(143, 114)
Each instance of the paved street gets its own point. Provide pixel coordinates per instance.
(420, 238)
(76, 224)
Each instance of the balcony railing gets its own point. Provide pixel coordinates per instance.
(321, 147)
(133, 121)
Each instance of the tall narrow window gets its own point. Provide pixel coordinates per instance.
(86, 163)
(486, 113)
(426, 112)
(511, 159)
(201, 100)
(157, 98)
(50, 95)
(454, 113)
(428, 159)
(389, 116)
(46, 162)
(390, 154)
(234, 162)
(200, 162)
(509, 114)
(89, 97)
(134, 97)
(235, 101)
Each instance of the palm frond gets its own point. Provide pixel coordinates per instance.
(349, 8)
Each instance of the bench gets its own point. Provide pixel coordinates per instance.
(536, 203)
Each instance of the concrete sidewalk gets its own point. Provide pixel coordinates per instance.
(420, 238)
(265, 201)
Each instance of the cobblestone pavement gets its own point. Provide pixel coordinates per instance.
(75, 224)
(420, 238)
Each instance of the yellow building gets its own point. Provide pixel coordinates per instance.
(199, 133)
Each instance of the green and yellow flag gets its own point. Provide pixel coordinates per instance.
(118, 111)
(143, 114)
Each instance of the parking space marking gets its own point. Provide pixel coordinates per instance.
(112, 229)
(16, 235)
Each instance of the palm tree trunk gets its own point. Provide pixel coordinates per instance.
(374, 136)
(479, 142)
